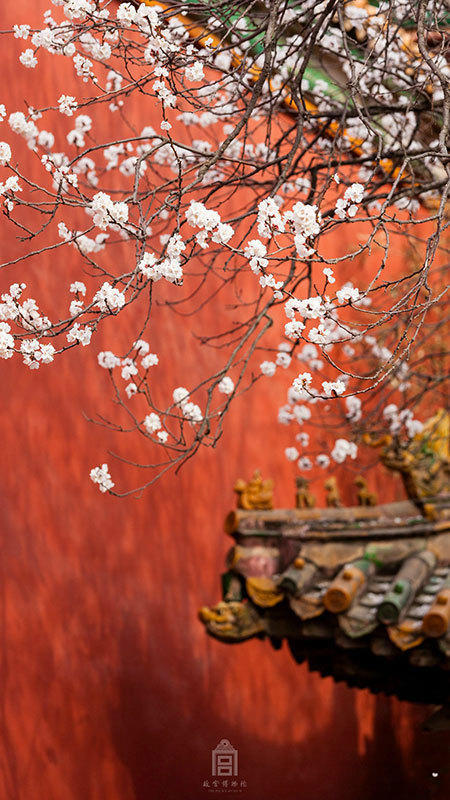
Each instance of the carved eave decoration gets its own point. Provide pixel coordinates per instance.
(361, 593)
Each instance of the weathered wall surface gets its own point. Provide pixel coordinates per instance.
(109, 687)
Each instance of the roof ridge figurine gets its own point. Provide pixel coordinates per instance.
(256, 494)
(333, 497)
(303, 497)
(365, 497)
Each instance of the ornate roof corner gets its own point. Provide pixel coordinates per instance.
(371, 581)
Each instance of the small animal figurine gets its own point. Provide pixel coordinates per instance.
(333, 498)
(365, 497)
(303, 497)
(256, 495)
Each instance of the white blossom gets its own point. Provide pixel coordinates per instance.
(198, 216)
(180, 396)
(83, 123)
(141, 346)
(171, 270)
(303, 381)
(354, 193)
(11, 185)
(226, 385)
(101, 476)
(343, 448)
(301, 414)
(45, 139)
(331, 388)
(256, 252)
(75, 307)
(35, 353)
(194, 72)
(28, 59)
(75, 138)
(106, 212)
(130, 390)
(79, 334)
(20, 125)
(129, 369)
(108, 360)
(268, 368)
(223, 233)
(126, 14)
(47, 353)
(294, 329)
(283, 359)
(77, 9)
(78, 287)
(285, 415)
(5, 153)
(108, 298)
(192, 412)
(147, 265)
(399, 419)
(291, 453)
(413, 427)
(269, 217)
(67, 104)
(348, 292)
(353, 408)
(6, 341)
(21, 31)
(305, 219)
(152, 423)
(150, 360)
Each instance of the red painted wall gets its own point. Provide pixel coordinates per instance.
(109, 687)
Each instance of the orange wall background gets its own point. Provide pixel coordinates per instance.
(109, 687)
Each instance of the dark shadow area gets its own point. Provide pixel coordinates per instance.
(168, 754)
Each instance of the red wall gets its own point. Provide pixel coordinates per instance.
(110, 688)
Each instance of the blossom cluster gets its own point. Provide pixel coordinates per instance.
(156, 215)
(101, 476)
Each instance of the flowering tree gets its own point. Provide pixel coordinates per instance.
(278, 130)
